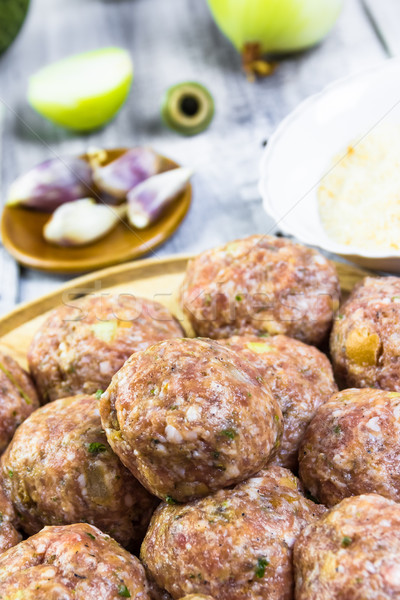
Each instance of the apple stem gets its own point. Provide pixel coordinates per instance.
(253, 63)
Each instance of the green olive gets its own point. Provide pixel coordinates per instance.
(188, 108)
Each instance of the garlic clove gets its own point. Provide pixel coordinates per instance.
(81, 222)
(147, 200)
(125, 172)
(51, 184)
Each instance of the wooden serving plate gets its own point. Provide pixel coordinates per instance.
(157, 279)
(22, 235)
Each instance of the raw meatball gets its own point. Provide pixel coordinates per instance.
(59, 469)
(188, 417)
(261, 284)
(80, 346)
(18, 398)
(74, 562)
(9, 536)
(351, 553)
(197, 597)
(235, 544)
(365, 340)
(352, 446)
(299, 376)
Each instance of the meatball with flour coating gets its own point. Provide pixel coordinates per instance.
(60, 469)
(18, 398)
(188, 417)
(80, 346)
(9, 536)
(235, 544)
(352, 446)
(351, 553)
(299, 376)
(365, 339)
(261, 284)
(73, 562)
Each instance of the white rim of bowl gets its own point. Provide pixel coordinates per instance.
(280, 130)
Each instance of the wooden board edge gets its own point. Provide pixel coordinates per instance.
(86, 284)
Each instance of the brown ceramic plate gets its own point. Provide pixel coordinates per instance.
(22, 234)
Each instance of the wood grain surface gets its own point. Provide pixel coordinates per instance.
(170, 41)
(156, 279)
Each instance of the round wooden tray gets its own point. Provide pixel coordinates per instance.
(157, 279)
(22, 235)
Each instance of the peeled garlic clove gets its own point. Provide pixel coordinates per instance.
(81, 222)
(52, 183)
(127, 171)
(147, 200)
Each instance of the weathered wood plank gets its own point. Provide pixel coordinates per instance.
(9, 270)
(385, 16)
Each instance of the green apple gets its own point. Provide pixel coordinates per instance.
(84, 91)
(12, 16)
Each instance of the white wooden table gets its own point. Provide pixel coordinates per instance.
(172, 41)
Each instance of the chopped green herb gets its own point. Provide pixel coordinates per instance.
(264, 335)
(277, 419)
(346, 541)
(207, 299)
(238, 298)
(98, 394)
(262, 563)
(249, 395)
(123, 591)
(337, 429)
(173, 407)
(10, 473)
(152, 392)
(340, 317)
(96, 447)
(229, 433)
(170, 500)
(92, 537)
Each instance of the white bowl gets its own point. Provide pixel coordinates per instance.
(304, 145)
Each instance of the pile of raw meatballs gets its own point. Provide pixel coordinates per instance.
(185, 451)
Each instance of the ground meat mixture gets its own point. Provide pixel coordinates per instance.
(197, 597)
(299, 376)
(235, 544)
(9, 536)
(351, 553)
(80, 346)
(352, 446)
(261, 284)
(74, 562)
(18, 398)
(365, 339)
(189, 416)
(60, 469)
